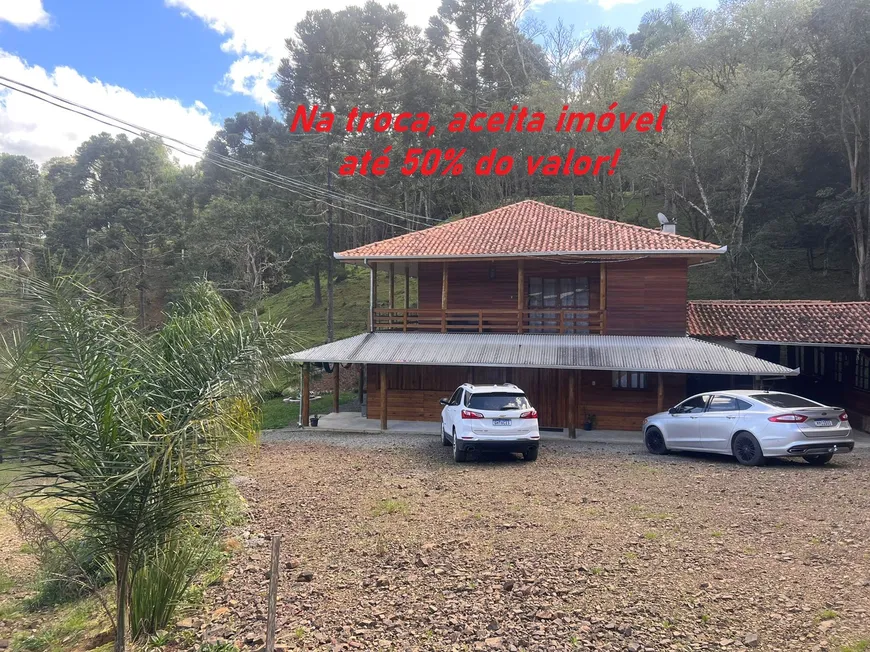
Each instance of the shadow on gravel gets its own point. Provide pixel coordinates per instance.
(483, 459)
(771, 462)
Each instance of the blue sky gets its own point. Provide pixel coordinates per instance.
(178, 66)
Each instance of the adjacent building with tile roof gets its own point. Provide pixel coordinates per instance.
(782, 322)
(828, 341)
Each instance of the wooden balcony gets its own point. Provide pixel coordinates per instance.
(554, 321)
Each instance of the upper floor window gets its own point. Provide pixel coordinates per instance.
(560, 294)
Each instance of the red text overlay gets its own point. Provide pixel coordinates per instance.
(452, 161)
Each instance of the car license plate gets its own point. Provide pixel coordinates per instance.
(501, 422)
(824, 423)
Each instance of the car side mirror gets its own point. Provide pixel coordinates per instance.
(673, 410)
(444, 401)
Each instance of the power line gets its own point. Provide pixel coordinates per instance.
(186, 153)
(294, 184)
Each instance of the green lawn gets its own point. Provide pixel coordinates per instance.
(278, 414)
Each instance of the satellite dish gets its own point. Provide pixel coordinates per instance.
(663, 219)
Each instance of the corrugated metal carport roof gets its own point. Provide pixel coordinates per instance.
(619, 352)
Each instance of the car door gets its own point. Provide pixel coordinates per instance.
(717, 423)
(449, 414)
(681, 430)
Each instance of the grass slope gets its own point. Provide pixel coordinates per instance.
(295, 305)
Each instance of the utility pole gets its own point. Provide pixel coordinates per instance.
(330, 290)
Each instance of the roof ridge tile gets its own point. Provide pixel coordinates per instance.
(488, 233)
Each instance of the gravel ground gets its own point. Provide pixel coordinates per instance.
(387, 544)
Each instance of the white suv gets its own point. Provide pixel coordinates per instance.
(489, 418)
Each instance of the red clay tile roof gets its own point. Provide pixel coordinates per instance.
(822, 322)
(529, 228)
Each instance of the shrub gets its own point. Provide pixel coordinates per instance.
(68, 572)
(160, 583)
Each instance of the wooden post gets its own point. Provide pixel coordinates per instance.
(336, 387)
(407, 297)
(392, 286)
(660, 393)
(572, 401)
(306, 393)
(602, 294)
(383, 388)
(373, 291)
(444, 275)
(521, 293)
(273, 594)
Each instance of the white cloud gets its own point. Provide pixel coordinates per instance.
(251, 75)
(39, 130)
(255, 30)
(23, 13)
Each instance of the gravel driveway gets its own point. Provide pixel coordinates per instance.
(589, 548)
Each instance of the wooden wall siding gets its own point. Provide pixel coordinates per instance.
(415, 391)
(644, 297)
(647, 297)
(469, 285)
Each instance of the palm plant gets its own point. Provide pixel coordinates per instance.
(125, 429)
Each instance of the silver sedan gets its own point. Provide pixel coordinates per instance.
(751, 424)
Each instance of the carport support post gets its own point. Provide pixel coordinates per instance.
(660, 393)
(572, 400)
(336, 387)
(383, 383)
(306, 393)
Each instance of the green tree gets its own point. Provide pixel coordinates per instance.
(26, 207)
(127, 430)
(838, 84)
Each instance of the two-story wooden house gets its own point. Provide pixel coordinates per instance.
(587, 315)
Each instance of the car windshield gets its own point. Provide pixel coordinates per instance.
(498, 401)
(784, 400)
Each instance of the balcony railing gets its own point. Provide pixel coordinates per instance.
(538, 320)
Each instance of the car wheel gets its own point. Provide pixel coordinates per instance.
(531, 455)
(818, 460)
(747, 450)
(444, 440)
(459, 455)
(655, 441)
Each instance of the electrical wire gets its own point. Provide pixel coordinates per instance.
(294, 184)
